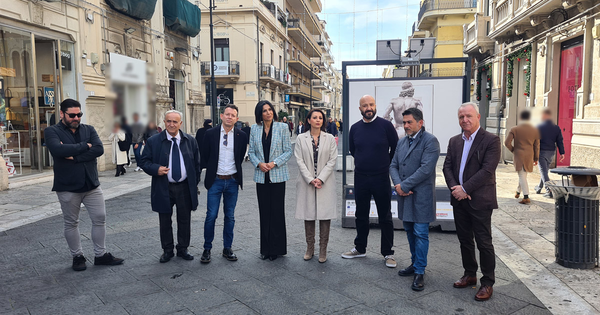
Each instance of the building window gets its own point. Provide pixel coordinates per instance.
(221, 49)
(272, 54)
(272, 96)
(261, 53)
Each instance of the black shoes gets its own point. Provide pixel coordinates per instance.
(408, 271)
(418, 283)
(108, 260)
(79, 263)
(205, 259)
(272, 257)
(229, 255)
(184, 254)
(264, 257)
(166, 256)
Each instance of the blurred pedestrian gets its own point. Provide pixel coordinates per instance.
(128, 138)
(331, 128)
(316, 154)
(119, 148)
(270, 150)
(151, 130)
(550, 138)
(137, 134)
(246, 130)
(523, 141)
(200, 133)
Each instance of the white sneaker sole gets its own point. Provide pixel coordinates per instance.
(391, 266)
(354, 256)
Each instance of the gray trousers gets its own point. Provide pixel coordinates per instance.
(93, 201)
(546, 158)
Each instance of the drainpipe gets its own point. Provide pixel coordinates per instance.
(533, 74)
(258, 56)
(588, 46)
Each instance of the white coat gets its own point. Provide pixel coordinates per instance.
(118, 157)
(313, 203)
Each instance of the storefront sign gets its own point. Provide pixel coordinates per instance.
(65, 60)
(49, 96)
(8, 72)
(124, 69)
(287, 98)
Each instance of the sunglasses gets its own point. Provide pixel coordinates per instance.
(74, 115)
(225, 138)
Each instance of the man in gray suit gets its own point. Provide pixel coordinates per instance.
(413, 175)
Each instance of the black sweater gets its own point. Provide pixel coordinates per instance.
(373, 145)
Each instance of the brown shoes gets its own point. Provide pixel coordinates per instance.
(525, 201)
(484, 293)
(517, 195)
(465, 281)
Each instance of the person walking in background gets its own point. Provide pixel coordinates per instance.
(285, 121)
(523, 141)
(137, 134)
(373, 143)
(119, 148)
(246, 130)
(222, 155)
(270, 150)
(151, 130)
(74, 148)
(316, 154)
(470, 172)
(299, 128)
(550, 138)
(173, 160)
(200, 133)
(341, 128)
(413, 174)
(128, 139)
(331, 128)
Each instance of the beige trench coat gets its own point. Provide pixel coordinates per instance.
(321, 205)
(118, 157)
(523, 141)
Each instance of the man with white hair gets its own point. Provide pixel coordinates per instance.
(470, 172)
(172, 159)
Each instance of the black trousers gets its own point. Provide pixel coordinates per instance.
(179, 196)
(379, 187)
(471, 223)
(271, 207)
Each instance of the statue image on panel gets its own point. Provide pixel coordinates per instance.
(397, 101)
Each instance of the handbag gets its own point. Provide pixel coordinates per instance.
(123, 145)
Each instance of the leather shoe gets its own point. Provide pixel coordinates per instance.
(205, 259)
(465, 281)
(408, 271)
(517, 195)
(166, 256)
(272, 257)
(484, 293)
(418, 283)
(229, 255)
(525, 201)
(264, 257)
(184, 254)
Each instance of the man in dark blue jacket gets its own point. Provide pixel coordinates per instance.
(74, 148)
(550, 138)
(223, 152)
(332, 128)
(173, 160)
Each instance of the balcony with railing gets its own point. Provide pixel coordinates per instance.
(300, 33)
(507, 14)
(434, 8)
(303, 90)
(476, 37)
(302, 64)
(224, 70)
(272, 75)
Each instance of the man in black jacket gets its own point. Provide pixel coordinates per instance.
(550, 138)
(222, 155)
(173, 160)
(200, 133)
(75, 147)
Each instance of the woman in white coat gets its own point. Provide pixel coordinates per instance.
(316, 154)
(118, 157)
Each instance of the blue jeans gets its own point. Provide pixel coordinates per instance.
(546, 158)
(229, 189)
(137, 151)
(418, 240)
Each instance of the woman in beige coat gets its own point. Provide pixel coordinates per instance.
(316, 154)
(118, 157)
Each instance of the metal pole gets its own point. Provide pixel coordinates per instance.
(310, 85)
(213, 84)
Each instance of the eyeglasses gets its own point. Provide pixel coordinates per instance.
(73, 115)
(225, 138)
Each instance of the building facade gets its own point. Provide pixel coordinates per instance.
(532, 55)
(116, 57)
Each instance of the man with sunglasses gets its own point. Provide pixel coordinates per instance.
(223, 150)
(75, 147)
(173, 160)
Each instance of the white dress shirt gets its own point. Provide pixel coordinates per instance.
(465, 153)
(183, 172)
(226, 165)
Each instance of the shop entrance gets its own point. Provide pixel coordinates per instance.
(570, 80)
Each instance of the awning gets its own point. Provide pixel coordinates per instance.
(183, 16)
(137, 9)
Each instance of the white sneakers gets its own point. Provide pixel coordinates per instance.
(137, 169)
(390, 261)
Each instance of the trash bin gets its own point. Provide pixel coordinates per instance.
(577, 198)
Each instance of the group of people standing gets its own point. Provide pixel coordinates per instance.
(175, 160)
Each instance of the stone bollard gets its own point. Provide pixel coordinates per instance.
(3, 175)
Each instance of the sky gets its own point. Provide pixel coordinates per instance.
(354, 27)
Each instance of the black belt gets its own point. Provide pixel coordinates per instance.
(226, 176)
(179, 183)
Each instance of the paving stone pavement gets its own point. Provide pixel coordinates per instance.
(35, 274)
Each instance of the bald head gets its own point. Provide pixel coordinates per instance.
(367, 107)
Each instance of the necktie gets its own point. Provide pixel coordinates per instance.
(410, 141)
(175, 163)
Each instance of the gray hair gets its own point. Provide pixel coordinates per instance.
(475, 106)
(174, 111)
